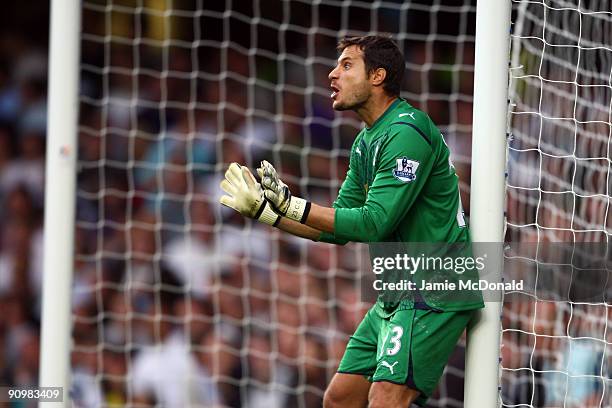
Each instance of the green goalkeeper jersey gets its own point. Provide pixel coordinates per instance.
(401, 186)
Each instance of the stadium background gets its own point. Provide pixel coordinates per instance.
(266, 316)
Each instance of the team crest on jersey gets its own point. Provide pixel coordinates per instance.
(406, 169)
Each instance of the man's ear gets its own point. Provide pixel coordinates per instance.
(377, 77)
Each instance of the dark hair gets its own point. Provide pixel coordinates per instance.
(380, 52)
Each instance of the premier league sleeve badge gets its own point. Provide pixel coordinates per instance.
(406, 170)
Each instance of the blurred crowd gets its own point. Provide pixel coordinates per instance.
(23, 88)
(176, 300)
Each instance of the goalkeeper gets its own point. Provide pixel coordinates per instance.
(401, 187)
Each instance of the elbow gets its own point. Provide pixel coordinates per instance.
(375, 231)
(365, 225)
(377, 237)
(340, 242)
(330, 239)
(378, 229)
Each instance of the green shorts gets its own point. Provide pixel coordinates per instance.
(410, 347)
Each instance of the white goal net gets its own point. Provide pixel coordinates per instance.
(557, 342)
(178, 302)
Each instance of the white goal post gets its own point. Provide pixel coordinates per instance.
(488, 189)
(60, 197)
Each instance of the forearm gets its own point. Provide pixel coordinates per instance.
(297, 229)
(362, 224)
(321, 218)
(294, 208)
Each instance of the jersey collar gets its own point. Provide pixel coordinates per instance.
(384, 115)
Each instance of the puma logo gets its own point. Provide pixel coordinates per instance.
(411, 114)
(389, 366)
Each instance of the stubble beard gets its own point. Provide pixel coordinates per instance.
(359, 98)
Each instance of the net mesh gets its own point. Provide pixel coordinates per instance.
(556, 351)
(177, 301)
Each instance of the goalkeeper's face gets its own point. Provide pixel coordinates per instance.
(349, 80)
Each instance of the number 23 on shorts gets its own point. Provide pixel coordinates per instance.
(391, 341)
(391, 354)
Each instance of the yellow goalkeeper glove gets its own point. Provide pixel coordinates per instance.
(245, 195)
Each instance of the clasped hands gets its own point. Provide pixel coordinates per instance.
(265, 202)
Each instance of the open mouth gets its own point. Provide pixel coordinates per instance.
(335, 91)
